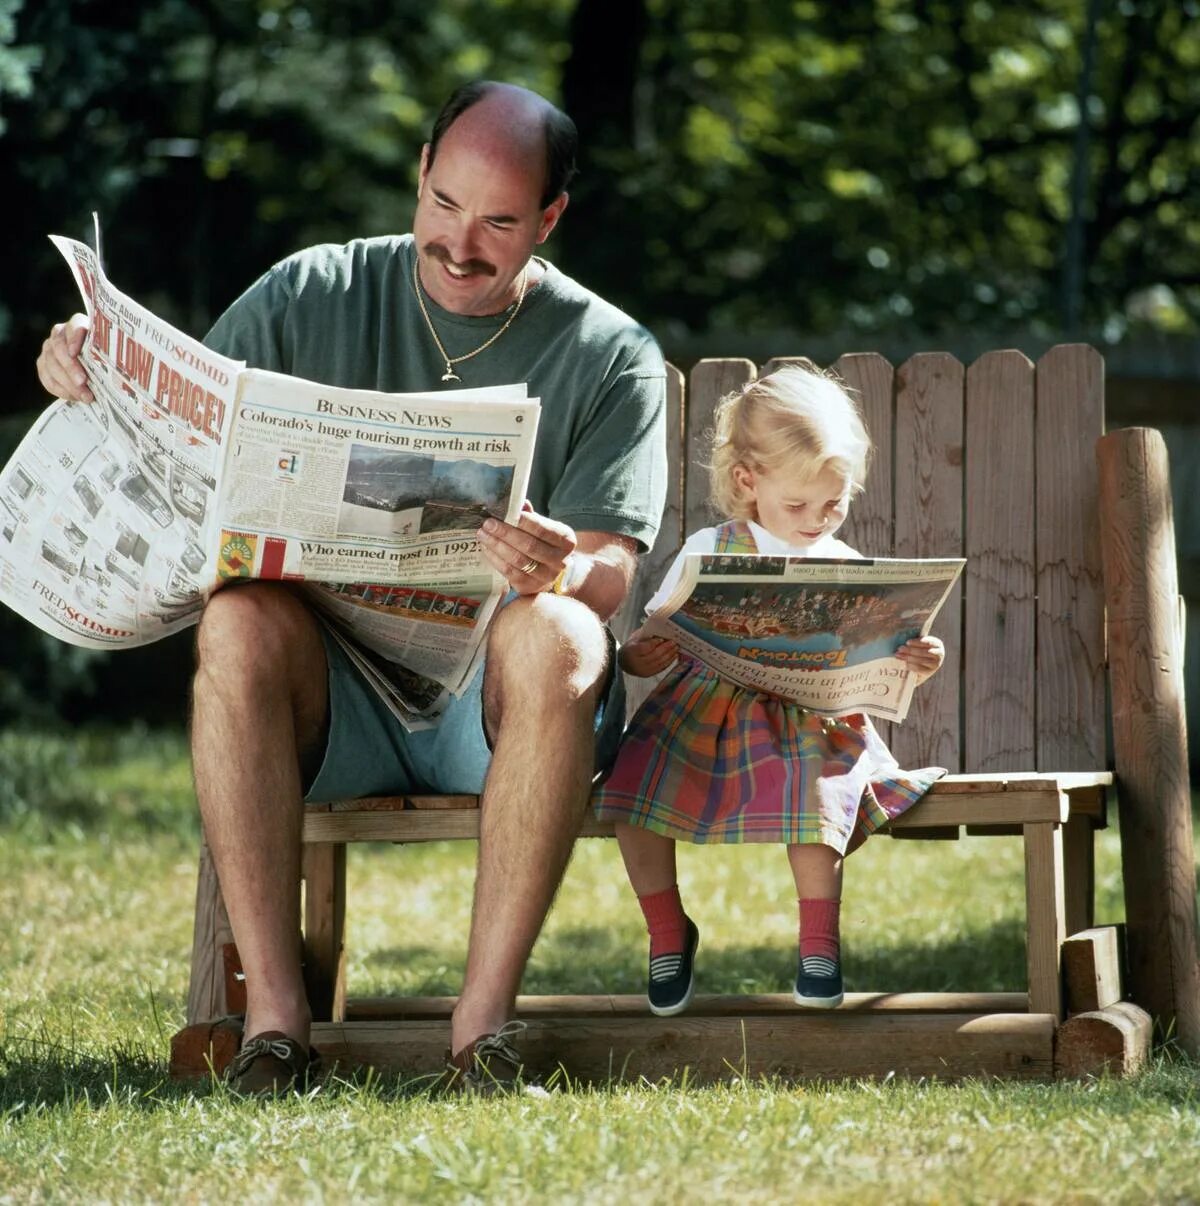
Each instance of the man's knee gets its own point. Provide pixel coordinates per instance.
(256, 630)
(548, 647)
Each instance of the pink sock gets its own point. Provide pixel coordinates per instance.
(819, 928)
(666, 921)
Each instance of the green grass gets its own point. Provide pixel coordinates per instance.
(97, 875)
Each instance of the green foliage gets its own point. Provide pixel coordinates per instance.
(796, 164)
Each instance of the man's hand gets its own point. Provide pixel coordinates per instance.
(645, 656)
(531, 554)
(923, 656)
(58, 366)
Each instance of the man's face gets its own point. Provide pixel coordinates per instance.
(477, 222)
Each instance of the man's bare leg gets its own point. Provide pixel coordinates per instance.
(546, 661)
(260, 696)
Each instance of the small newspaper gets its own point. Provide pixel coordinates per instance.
(822, 633)
(190, 472)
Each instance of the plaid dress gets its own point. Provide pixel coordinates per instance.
(707, 760)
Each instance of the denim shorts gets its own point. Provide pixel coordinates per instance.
(369, 753)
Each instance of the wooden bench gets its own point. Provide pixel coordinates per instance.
(997, 462)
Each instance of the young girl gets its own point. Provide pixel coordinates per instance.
(706, 760)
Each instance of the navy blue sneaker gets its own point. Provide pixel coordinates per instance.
(672, 978)
(818, 983)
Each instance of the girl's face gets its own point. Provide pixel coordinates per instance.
(798, 512)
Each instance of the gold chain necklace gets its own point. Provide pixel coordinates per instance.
(451, 361)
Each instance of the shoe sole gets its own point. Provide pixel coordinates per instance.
(669, 1011)
(818, 1002)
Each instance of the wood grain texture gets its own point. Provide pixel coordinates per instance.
(323, 868)
(929, 523)
(998, 659)
(815, 1045)
(708, 382)
(1092, 969)
(1149, 730)
(869, 527)
(1045, 916)
(1070, 588)
(210, 932)
(1114, 1041)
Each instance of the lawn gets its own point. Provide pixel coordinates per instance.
(97, 875)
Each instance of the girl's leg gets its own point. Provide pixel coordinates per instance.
(817, 870)
(650, 864)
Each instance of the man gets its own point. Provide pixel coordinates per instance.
(279, 715)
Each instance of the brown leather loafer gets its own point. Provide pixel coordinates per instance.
(491, 1065)
(271, 1063)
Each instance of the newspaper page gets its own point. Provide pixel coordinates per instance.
(822, 633)
(119, 518)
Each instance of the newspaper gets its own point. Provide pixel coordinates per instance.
(189, 471)
(822, 633)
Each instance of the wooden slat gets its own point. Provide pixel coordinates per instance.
(1092, 969)
(929, 523)
(708, 382)
(427, 1009)
(1150, 729)
(653, 565)
(998, 658)
(1079, 870)
(809, 1045)
(210, 934)
(1070, 595)
(324, 876)
(1045, 917)
(996, 807)
(869, 527)
(1114, 1041)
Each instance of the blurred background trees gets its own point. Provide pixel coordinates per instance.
(884, 173)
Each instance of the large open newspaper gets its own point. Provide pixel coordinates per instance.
(189, 471)
(822, 633)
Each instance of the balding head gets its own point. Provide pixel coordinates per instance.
(490, 114)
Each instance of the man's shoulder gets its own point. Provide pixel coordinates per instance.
(597, 320)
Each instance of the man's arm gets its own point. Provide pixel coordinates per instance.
(533, 553)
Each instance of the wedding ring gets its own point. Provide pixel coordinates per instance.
(530, 566)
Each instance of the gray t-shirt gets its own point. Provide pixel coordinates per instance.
(347, 315)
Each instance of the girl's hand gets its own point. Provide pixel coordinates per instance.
(923, 656)
(645, 656)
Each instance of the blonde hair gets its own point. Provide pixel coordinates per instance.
(798, 417)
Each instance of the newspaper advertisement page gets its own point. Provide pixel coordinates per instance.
(107, 508)
(821, 633)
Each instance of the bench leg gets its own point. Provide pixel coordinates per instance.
(1080, 863)
(210, 936)
(1045, 916)
(324, 870)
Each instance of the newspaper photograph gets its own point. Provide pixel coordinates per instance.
(821, 633)
(189, 471)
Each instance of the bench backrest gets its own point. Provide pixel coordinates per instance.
(994, 462)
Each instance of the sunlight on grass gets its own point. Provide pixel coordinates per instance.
(97, 877)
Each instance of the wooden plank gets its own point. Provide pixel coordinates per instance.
(999, 617)
(1083, 782)
(1091, 961)
(653, 564)
(708, 382)
(424, 1009)
(870, 527)
(1045, 917)
(809, 1045)
(414, 825)
(1114, 1041)
(1079, 869)
(323, 870)
(1071, 720)
(211, 931)
(928, 479)
(1150, 729)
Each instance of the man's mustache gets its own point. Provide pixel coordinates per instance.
(439, 253)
